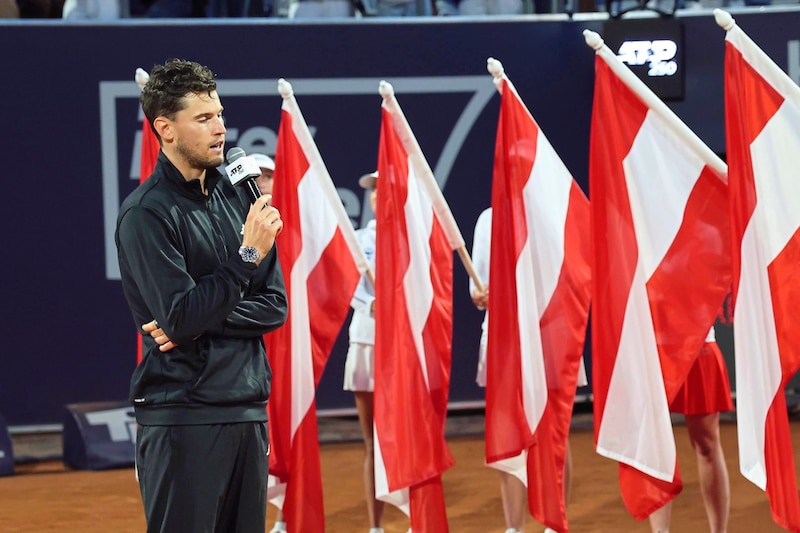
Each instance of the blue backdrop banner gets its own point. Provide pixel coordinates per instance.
(73, 123)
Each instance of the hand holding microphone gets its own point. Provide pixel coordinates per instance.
(262, 225)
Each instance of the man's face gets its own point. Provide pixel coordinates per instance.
(200, 131)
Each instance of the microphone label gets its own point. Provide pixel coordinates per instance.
(242, 169)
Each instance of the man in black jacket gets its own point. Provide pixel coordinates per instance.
(200, 272)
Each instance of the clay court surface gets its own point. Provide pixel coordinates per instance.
(45, 496)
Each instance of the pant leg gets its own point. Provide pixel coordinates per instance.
(245, 507)
(203, 479)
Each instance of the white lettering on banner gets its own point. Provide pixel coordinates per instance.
(793, 53)
(262, 139)
(120, 423)
(660, 53)
(2, 454)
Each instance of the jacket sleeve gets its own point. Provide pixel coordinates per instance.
(264, 307)
(154, 270)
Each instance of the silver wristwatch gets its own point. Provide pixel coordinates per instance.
(249, 254)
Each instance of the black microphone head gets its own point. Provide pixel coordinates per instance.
(235, 153)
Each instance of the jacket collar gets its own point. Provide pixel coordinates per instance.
(188, 188)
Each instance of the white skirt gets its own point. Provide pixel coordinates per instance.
(480, 378)
(359, 369)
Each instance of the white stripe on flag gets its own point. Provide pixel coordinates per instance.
(660, 174)
(546, 205)
(417, 286)
(534, 380)
(643, 437)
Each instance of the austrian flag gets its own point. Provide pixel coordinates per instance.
(540, 283)
(762, 129)
(661, 270)
(413, 325)
(321, 262)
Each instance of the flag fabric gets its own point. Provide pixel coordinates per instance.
(148, 155)
(413, 327)
(540, 287)
(321, 262)
(762, 129)
(661, 269)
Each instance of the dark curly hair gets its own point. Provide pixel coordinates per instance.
(163, 95)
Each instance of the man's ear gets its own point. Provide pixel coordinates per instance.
(163, 127)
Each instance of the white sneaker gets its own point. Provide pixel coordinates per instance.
(279, 527)
(376, 530)
(548, 530)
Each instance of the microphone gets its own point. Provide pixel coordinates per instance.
(243, 170)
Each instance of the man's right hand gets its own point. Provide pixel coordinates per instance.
(262, 225)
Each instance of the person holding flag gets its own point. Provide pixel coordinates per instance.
(359, 369)
(512, 491)
(705, 393)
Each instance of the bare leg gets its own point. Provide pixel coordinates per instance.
(364, 406)
(659, 520)
(714, 485)
(514, 496)
(280, 523)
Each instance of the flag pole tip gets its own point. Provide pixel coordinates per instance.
(141, 77)
(593, 39)
(494, 67)
(285, 88)
(724, 19)
(386, 89)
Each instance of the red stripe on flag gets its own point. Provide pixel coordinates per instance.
(701, 248)
(781, 480)
(617, 116)
(507, 432)
(303, 508)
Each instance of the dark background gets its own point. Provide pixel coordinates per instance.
(67, 333)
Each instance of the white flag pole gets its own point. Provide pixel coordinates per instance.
(656, 105)
(309, 147)
(423, 170)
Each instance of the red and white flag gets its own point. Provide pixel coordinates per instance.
(540, 286)
(148, 155)
(661, 269)
(413, 325)
(762, 128)
(321, 263)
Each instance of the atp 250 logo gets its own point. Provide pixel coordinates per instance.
(660, 54)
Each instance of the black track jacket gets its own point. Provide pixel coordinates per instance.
(179, 263)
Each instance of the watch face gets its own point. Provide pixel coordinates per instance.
(249, 254)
